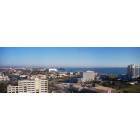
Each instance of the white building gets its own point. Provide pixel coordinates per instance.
(23, 76)
(62, 74)
(53, 70)
(29, 86)
(89, 76)
(133, 70)
(3, 77)
(40, 76)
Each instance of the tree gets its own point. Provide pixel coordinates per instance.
(3, 87)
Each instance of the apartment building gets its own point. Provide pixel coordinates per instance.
(12, 89)
(133, 70)
(29, 86)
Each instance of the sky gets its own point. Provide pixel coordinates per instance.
(69, 56)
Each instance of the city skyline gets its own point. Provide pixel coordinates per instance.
(69, 56)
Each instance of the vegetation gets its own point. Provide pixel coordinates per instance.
(37, 72)
(121, 86)
(3, 87)
(130, 89)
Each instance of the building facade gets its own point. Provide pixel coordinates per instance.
(12, 89)
(40, 76)
(29, 86)
(133, 71)
(26, 86)
(89, 76)
(53, 70)
(3, 77)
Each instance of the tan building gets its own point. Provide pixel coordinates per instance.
(89, 76)
(12, 89)
(26, 86)
(29, 86)
(40, 76)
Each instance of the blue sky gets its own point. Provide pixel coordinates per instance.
(69, 57)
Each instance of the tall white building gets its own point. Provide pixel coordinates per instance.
(89, 76)
(29, 86)
(133, 70)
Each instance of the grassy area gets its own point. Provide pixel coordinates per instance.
(130, 89)
(122, 87)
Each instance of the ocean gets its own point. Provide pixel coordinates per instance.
(116, 71)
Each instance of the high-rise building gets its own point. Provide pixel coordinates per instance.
(89, 76)
(29, 86)
(133, 70)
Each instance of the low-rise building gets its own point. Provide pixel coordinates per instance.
(89, 76)
(3, 77)
(53, 70)
(40, 76)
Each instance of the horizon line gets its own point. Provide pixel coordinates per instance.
(37, 66)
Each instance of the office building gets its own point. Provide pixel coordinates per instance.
(133, 71)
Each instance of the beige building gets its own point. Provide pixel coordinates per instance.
(40, 76)
(26, 86)
(29, 86)
(89, 76)
(12, 89)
